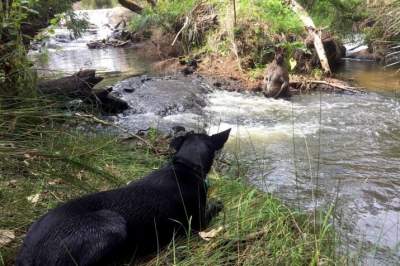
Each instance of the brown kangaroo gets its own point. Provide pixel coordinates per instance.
(276, 78)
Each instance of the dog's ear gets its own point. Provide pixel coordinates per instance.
(177, 142)
(220, 139)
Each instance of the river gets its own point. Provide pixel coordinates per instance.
(316, 150)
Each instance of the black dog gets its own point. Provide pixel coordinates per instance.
(138, 219)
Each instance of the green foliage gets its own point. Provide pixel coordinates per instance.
(145, 21)
(278, 17)
(153, 135)
(338, 15)
(16, 76)
(175, 15)
(254, 44)
(168, 14)
(75, 23)
(20, 21)
(290, 49)
(171, 12)
(260, 26)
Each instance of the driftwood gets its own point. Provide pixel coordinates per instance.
(329, 84)
(310, 26)
(80, 85)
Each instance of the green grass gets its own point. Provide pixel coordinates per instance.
(43, 154)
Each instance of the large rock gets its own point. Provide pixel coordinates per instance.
(162, 102)
(163, 96)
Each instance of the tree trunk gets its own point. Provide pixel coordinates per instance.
(310, 26)
(131, 5)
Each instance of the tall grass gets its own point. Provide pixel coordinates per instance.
(257, 230)
(47, 156)
(46, 152)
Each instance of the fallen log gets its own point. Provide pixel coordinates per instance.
(80, 85)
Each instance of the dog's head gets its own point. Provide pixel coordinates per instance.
(199, 149)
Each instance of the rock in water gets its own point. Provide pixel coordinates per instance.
(163, 96)
(163, 103)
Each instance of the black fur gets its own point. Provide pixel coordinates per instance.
(136, 219)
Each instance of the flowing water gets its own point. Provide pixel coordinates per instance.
(64, 54)
(312, 151)
(323, 149)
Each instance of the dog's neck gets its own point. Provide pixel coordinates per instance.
(197, 169)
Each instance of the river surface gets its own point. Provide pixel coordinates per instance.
(316, 150)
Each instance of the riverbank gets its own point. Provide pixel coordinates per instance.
(47, 158)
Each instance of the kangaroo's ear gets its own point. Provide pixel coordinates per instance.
(219, 139)
(177, 142)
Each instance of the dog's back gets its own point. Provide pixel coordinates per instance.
(136, 219)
